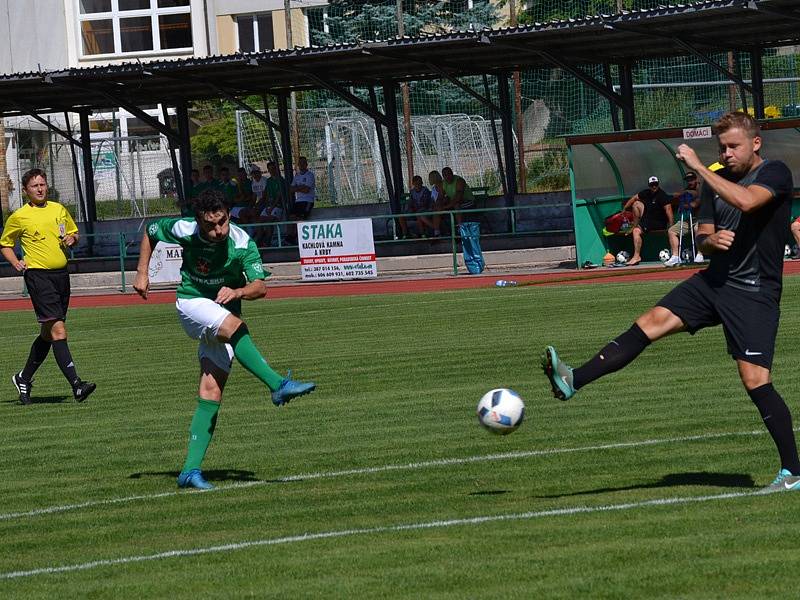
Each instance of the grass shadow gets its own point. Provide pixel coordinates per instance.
(40, 400)
(723, 480)
(212, 475)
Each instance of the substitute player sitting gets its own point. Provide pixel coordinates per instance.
(221, 267)
(744, 212)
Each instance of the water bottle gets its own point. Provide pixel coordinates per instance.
(504, 283)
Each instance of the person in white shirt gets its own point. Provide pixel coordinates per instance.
(304, 189)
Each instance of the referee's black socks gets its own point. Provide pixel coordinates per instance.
(616, 355)
(39, 350)
(64, 360)
(778, 420)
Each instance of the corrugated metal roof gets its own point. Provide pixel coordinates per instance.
(709, 26)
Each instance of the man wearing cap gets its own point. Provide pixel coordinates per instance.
(686, 202)
(652, 209)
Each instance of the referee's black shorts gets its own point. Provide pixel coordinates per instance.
(749, 319)
(49, 291)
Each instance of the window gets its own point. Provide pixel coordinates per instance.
(255, 32)
(134, 26)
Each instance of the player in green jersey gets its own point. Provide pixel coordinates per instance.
(221, 267)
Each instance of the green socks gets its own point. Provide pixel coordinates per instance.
(250, 358)
(200, 432)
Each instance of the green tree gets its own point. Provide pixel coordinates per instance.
(351, 21)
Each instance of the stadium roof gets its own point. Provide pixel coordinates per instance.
(701, 27)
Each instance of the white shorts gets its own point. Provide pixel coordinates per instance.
(201, 319)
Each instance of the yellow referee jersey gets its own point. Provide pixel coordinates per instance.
(40, 229)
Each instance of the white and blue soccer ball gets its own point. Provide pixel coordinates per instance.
(787, 251)
(501, 411)
(664, 255)
(623, 256)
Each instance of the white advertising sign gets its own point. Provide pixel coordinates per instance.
(165, 263)
(337, 250)
(693, 133)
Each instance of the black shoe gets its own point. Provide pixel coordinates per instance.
(23, 387)
(82, 389)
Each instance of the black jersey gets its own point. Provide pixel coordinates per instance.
(655, 217)
(755, 260)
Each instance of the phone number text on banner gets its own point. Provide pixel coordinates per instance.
(337, 249)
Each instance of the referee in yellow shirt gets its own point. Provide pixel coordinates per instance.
(45, 230)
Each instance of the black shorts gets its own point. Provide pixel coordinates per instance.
(749, 319)
(302, 210)
(49, 291)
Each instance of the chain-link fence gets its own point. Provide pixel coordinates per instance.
(133, 175)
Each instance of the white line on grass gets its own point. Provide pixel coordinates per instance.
(381, 469)
(372, 530)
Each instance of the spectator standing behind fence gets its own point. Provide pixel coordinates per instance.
(438, 200)
(687, 201)
(304, 188)
(419, 201)
(459, 195)
(652, 209)
(46, 231)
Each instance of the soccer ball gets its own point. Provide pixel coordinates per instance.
(686, 255)
(501, 411)
(787, 251)
(664, 255)
(623, 256)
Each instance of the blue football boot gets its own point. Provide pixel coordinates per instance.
(289, 389)
(193, 479)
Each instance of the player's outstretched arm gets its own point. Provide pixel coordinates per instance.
(142, 282)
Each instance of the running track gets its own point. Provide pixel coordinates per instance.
(403, 286)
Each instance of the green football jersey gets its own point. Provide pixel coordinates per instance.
(209, 266)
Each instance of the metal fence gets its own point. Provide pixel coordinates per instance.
(343, 150)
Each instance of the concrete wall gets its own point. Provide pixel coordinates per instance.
(34, 34)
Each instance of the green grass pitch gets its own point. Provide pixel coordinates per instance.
(381, 483)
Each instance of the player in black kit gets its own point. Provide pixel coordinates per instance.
(744, 217)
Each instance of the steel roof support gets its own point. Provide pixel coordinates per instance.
(757, 82)
(88, 171)
(286, 141)
(626, 87)
(185, 149)
(611, 105)
(76, 170)
(506, 113)
(176, 172)
(387, 173)
(393, 131)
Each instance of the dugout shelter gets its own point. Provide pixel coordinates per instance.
(607, 169)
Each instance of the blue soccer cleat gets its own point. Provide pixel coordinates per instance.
(559, 374)
(784, 482)
(291, 389)
(193, 479)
